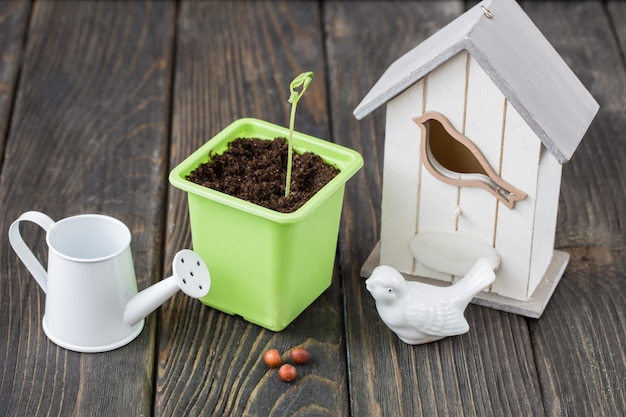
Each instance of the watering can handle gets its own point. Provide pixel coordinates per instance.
(22, 250)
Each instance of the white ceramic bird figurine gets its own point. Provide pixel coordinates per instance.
(421, 313)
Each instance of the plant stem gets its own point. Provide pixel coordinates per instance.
(292, 119)
(303, 80)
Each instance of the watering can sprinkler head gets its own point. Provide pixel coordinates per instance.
(190, 274)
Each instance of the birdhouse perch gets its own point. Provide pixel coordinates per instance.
(480, 118)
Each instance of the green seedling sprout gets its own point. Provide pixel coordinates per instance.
(302, 81)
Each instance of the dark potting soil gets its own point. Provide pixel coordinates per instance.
(254, 170)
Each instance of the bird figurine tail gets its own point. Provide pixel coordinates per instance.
(479, 277)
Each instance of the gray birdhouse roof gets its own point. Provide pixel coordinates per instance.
(517, 58)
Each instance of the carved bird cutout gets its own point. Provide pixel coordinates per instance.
(454, 159)
(420, 313)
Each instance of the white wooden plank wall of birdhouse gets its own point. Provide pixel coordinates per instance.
(514, 232)
(484, 115)
(523, 236)
(401, 179)
(444, 93)
(546, 210)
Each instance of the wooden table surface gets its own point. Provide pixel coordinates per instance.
(100, 100)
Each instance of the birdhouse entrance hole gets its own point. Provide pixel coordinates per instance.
(448, 154)
(453, 158)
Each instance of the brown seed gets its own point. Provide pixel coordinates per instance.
(287, 372)
(299, 355)
(272, 358)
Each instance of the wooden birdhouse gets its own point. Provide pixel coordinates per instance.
(480, 118)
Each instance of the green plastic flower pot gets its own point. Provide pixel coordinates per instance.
(266, 266)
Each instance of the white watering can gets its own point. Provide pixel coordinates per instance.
(92, 303)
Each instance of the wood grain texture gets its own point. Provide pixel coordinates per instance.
(236, 59)
(13, 22)
(616, 11)
(490, 370)
(580, 342)
(88, 134)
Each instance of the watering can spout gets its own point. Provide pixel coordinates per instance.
(190, 274)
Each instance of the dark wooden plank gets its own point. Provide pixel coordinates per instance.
(490, 370)
(88, 134)
(236, 59)
(580, 340)
(13, 21)
(617, 12)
